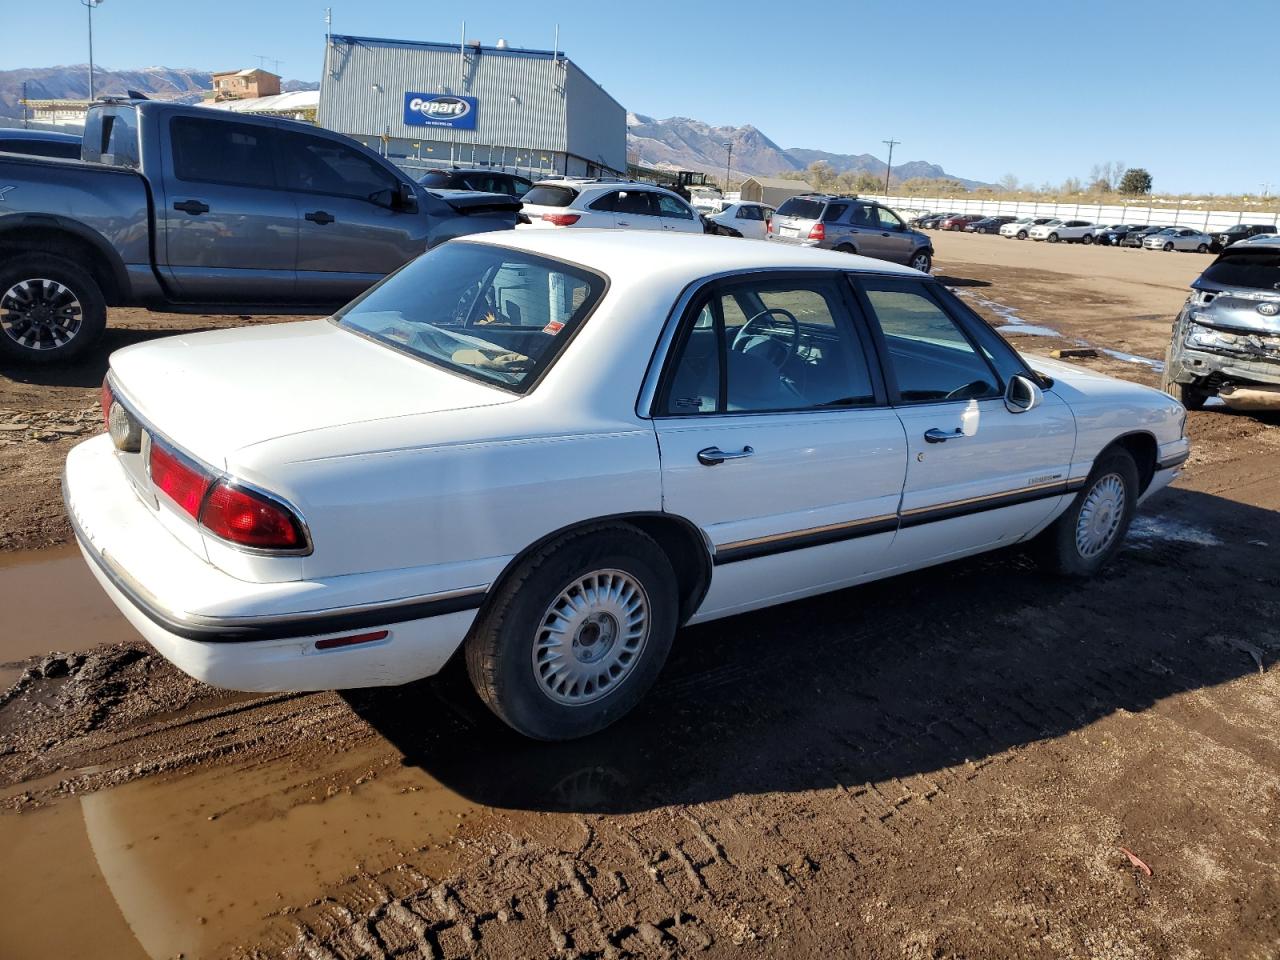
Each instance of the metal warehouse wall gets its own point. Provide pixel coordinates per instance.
(597, 123)
(365, 80)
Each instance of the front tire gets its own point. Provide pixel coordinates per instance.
(51, 310)
(1168, 248)
(1053, 238)
(1087, 239)
(577, 634)
(1022, 234)
(1203, 248)
(1089, 533)
(921, 260)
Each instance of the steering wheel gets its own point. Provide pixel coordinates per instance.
(744, 335)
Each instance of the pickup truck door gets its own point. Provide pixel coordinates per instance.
(351, 229)
(227, 235)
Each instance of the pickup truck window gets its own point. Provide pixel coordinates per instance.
(214, 151)
(317, 165)
(496, 315)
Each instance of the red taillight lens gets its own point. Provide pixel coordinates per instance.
(250, 520)
(108, 398)
(182, 482)
(561, 219)
(818, 232)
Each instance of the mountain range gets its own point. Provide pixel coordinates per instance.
(72, 83)
(688, 144)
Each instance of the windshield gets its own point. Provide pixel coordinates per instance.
(550, 196)
(496, 315)
(1257, 269)
(801, 208)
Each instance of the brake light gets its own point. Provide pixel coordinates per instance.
(181, 481)
(817, 232)
(250, 519)
(108, 398)
(561, 219)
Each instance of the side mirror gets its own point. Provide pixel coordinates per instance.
(1022, 394)
(406, 199)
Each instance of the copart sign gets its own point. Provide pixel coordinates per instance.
(440, 110)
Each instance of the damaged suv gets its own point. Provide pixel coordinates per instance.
(1226, 340)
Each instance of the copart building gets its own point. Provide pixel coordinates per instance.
(437, 104)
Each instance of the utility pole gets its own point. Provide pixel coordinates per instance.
(26, 111)
(727, 164)
(89, 5)
(888, 168)
(1266, 190)
(264, 60)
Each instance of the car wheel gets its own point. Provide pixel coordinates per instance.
(1087, 239)
(845, 248)
(577, 633)
(1190, 395)
(1089, 533)
(1168, 248)
(51, 311)
(1203, 248)
(921, 260)
(1052, 238)
(1022, 234)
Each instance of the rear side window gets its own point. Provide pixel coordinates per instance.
(802, 208)
(316, 165)
(551, 196)
(834, 212)
(1257, 269)
(213, 151)
(638, 203)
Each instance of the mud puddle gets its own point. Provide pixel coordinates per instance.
(190, 865)
(52, 604)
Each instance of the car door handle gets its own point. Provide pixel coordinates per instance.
(192, 206)
(624, 223)
(711, 456)
(320, 216)
(934, 435)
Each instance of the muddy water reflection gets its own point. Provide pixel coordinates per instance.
(192, 864)
(52, 603)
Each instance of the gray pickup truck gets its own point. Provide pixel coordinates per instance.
(191, 210)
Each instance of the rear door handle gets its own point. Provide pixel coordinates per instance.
(711, 456)
(192, 206)
(320, 216)
(624, 223)
(934, 435)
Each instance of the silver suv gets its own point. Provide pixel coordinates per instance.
(851, 225)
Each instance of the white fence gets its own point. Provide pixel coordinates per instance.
(1186, 214)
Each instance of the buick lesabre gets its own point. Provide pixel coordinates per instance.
(544, 452)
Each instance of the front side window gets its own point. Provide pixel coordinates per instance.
(888, 219)
(671, 207)
(767, 346)
(496, 315)
(214, 151)
(929, 355)
(316, 165)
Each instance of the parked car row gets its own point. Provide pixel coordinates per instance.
(851, 225)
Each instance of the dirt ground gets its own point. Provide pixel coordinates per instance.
(948, 764)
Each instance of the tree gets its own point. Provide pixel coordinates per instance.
(820, 173)
(1009, 183)
(1135, 180)
(1070, 186)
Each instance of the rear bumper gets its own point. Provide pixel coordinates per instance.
(240, 635)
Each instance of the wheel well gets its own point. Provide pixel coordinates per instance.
(679, 539)
(68, 246)
(1142, 447)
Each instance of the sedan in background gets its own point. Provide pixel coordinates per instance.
(1135, 238)
(546, 451)
(40, 143)
(744, 218)
(988, 224)
(1178, 238)
(931, 222)
(1071, 231)
(1021, 228)
(1113, 235)
(483, 181)
(1221, 238)
(959, 221)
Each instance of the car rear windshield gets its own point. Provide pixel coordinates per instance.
(544, 196)
(436, 178)
(1257, 269)
(496, 315)
(801, 208)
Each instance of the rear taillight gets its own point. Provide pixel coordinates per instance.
(817, 232)
(561, 219)
(108, 398)
(178, 479)
(250, 519)
(768, 226)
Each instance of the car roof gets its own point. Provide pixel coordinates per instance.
(25, 133)
(678, 257)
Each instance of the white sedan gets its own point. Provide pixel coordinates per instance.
(1179, 238)
(746, 218)
(544, 452)
(1055, 230)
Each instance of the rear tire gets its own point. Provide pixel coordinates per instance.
(1089, 533)
(51, 310)
(845, 248)
(555, 654)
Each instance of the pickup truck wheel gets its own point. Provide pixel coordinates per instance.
(51, 310)
(577, 634)
(1091, 530)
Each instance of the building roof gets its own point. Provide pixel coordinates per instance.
(296, 102)
(440, 45)
(247, 72)
(783, 182)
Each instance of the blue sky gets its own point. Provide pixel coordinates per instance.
(1039, 89)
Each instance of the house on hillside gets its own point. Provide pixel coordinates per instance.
(245, 84)
(772, 190)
